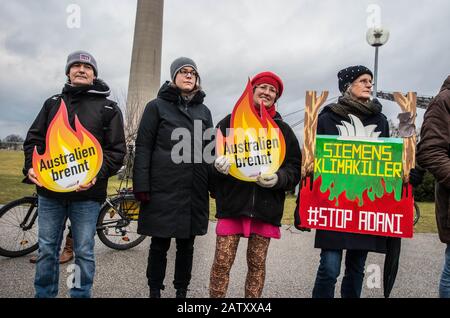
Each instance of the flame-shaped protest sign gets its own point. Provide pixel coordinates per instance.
(254, 144)
(71, 157)
(356, 182)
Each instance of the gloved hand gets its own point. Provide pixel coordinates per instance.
(416, 177)
(267, 181)
(143, 197)
(222, 164)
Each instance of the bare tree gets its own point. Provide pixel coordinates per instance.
(12, 142)
(13, 138)
(132, 111)
(132, 116)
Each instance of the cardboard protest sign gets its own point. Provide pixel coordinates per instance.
(356, 182)
(71, 157)
(254, 143)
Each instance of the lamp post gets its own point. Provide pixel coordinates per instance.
(376, 37)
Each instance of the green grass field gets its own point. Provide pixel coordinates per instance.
(12, 188)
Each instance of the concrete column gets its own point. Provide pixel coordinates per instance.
(145, 73)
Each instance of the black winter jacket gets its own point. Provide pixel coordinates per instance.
(235, 198)
(338, 240)
(179, 200)
(100, 116)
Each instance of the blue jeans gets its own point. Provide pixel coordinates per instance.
(444, 285)
(330, 268)
(52, 214)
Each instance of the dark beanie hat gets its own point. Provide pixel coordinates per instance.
(268, 78)
(178, 64)
(81, 57)
(348, 75)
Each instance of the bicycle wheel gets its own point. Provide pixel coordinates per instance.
(18, 227)
(117, 223)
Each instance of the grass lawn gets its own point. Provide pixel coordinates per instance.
(11, 188)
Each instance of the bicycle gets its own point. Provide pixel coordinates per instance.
(116, 223)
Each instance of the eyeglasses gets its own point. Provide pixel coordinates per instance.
(264, 88)
(185, 73)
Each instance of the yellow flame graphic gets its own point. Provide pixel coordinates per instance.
(71, 157)
(254, 145)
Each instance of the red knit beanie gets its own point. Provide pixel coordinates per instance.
(268, 78)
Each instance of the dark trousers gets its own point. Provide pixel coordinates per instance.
(157, 262)
(330, 268)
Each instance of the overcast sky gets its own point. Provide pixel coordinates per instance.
(306, 42)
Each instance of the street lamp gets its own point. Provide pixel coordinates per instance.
(376, 37)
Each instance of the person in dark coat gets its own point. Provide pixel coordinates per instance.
(85, 97)
(434, 155)
(170, 181)
(249, 209)
(355, 84)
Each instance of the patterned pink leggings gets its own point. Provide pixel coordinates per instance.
(226, 247)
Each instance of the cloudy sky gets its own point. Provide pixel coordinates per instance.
(305, 41)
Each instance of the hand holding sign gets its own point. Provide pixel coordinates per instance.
(87, 186)
(222, 164)
(267, 181)
(33, 178)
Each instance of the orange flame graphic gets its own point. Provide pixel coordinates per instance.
(71, 157)
(254, 144)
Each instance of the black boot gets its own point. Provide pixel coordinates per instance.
(181, 293)
(155, 293)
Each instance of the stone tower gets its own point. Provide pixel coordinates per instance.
(145, 73)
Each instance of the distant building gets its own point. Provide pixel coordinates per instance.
(11, 145)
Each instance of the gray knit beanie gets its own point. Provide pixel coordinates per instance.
(81, 57)
(178, 64)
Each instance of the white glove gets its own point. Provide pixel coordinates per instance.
(222, 164)
(267, 181)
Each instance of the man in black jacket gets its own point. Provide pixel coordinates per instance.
(86, 102)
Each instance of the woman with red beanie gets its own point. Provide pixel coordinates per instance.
(252, 209)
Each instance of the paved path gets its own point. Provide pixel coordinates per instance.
(291, 269)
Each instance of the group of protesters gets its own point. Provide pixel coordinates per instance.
(174, 197)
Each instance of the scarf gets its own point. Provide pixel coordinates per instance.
(270, 110)
(347, 105)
